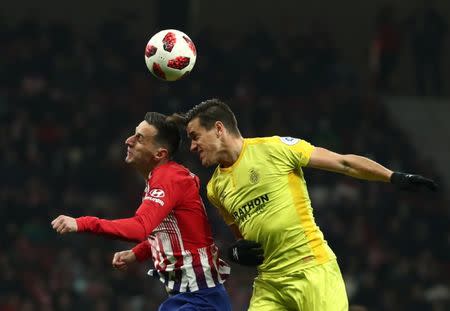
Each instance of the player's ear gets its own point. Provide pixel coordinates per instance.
(161, 154)
(219, 127)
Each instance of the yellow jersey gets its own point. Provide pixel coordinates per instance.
(264, 193)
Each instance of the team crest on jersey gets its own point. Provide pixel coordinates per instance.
(289, 140)
(254, 176)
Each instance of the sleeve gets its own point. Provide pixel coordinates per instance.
(296, 151)
(142, 251)
(160, 198)
(229, 220)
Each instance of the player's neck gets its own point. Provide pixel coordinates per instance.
(145, 172)
(233, 149)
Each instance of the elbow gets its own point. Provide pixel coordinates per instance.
(345, 166)
(146, 228)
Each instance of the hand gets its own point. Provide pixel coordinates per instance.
(122, 260)
(412, 182)
(64, 224)
(247, 253)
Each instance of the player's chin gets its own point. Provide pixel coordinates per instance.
(128, 159)
(206, 162)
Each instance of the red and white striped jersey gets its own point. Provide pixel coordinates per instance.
(173, 225)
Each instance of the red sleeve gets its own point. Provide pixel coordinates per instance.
(158, 201)
(142, 251)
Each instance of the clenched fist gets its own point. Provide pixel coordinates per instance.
(122, 260)
(64, 224)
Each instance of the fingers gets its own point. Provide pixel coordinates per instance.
(247, 253)
(412, 182)
(58, 220)
(118, 261)
(429, 183)
(122, 266)
(124, 256)
(63, 224)
(59, 224)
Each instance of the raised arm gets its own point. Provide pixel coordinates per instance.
(364, 168)
(136, 228)
(349, 164)
(148, 216)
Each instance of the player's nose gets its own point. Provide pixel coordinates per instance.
(130, 140)
(193, 146)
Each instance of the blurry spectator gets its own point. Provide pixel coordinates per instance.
(384, 49)
(427, 29)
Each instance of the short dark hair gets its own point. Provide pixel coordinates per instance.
(168, 134)
(212, 110)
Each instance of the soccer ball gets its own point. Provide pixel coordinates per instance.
(170, 55)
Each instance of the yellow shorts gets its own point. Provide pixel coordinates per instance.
(319, 288)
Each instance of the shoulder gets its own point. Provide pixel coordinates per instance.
(261, 140)
(171, 171)
(273, 144)
(273, 140)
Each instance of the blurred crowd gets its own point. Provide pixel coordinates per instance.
(422, 35)
(68, 101)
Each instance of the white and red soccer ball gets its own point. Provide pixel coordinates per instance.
(170, 55)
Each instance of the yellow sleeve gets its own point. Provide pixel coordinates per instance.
(297, 151)
(214, 201)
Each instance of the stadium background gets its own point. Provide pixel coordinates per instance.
(73, 85)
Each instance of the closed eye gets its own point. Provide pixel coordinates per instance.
(139, 137)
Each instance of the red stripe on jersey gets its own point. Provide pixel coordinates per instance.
(212, 253)
(198, 270)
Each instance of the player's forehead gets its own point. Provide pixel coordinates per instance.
(146, 129)
(194, 127)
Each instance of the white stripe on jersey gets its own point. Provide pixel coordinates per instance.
(184, 283)
(190, 273)
(206, 267)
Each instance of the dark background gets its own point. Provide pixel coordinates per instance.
(74, 85)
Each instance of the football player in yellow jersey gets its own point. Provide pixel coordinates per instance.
(260, 190)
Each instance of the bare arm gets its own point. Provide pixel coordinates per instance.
(349, 164)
